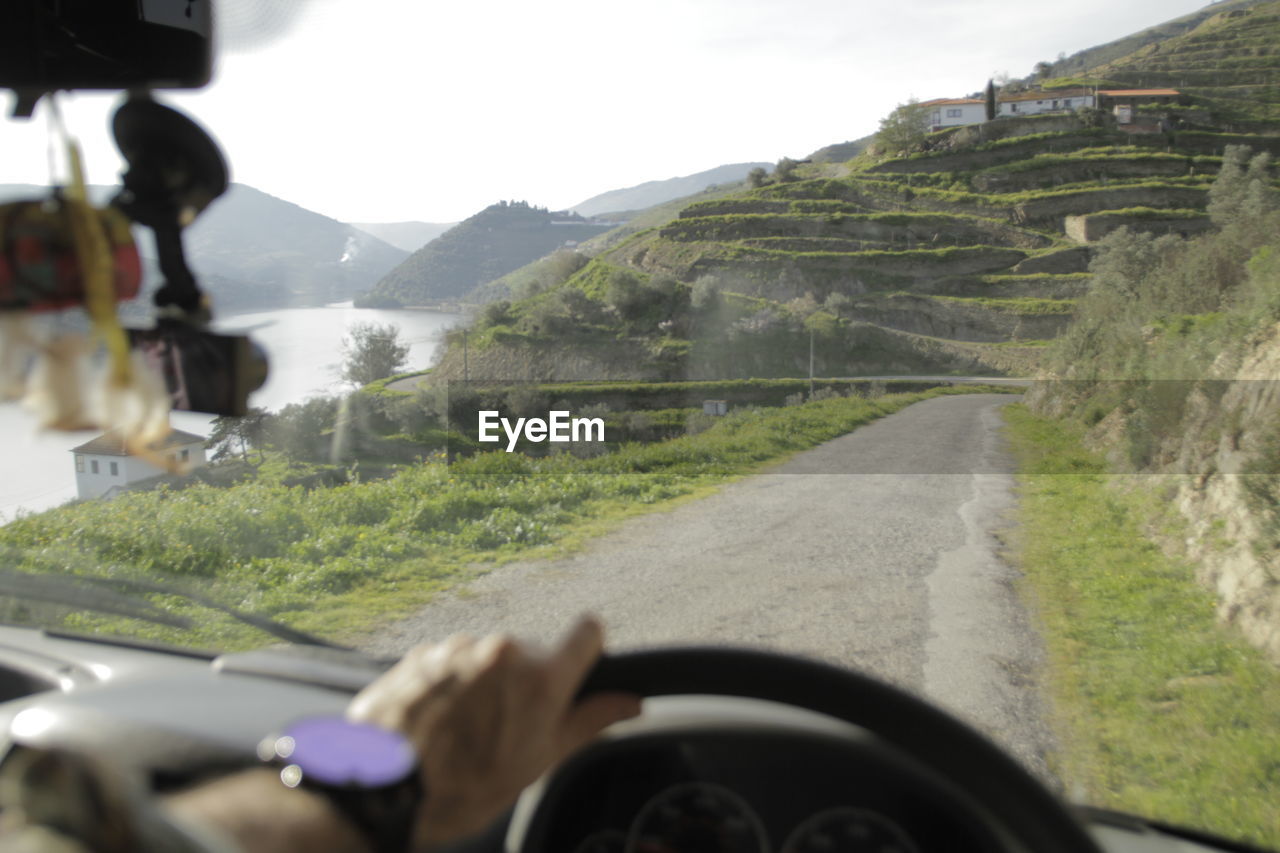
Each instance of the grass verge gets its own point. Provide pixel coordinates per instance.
(342, 559)
(1161, 711)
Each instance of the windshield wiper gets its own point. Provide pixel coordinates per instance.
(108, 595)
(56, 590)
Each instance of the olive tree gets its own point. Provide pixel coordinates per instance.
(372, 351)
(905, 127)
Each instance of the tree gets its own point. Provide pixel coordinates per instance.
(304, 431)
(706, 293)
(991, 100)
(756, 177)
(904, 128)
(237, 434)
(496, 313)
(1043, 70)
(625, 294)
(785, 170)
(1243, 188)
(837, 304)
(372, 351)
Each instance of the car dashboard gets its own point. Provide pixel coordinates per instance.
(717, 775)
(710, 774)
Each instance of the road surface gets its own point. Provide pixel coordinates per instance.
(872, 551)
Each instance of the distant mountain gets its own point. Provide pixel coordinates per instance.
(410, 236)
(260, 239)
(501, 238)
(252, 250)
(651, 193)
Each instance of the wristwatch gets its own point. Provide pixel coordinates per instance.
(370, 774)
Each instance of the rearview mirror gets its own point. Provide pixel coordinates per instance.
(47, 45)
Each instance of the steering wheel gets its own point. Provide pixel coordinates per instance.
(1024, 808)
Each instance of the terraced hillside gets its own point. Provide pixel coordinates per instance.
(1230, 64)
(966, 255)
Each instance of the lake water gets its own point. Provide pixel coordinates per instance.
(303, 346)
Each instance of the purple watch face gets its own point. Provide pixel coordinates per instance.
(337, 752)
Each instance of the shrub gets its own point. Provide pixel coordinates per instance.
(372, 351)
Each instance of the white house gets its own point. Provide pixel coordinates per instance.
(104, 464)
(952, 112)
(1051, 101)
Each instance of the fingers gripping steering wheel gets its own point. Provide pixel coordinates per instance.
(1019, 803)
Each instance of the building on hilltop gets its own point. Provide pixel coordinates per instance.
(953, 112)
(1126, 104)
(104, 467)
(1049, 101)
(1123, 103)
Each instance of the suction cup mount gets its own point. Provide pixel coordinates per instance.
(175, 170)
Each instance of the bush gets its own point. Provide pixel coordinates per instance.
(372, 351)
(785, 170)
(496, 314)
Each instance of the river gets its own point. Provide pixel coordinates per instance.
(302, 345)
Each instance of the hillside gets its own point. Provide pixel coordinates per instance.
(1228, 65)
(409, 236)
(265, 241)
(1080, 63)
(968, 253)
(653, 193)
(497, 240)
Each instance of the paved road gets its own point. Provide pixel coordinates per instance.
(873, 550)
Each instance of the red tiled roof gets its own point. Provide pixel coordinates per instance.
(942, 102)
(112, 443)
(1132, 92)
(1051, 95)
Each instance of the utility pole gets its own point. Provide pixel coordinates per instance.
(811, 362)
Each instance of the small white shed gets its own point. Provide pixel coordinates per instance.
(104, 464)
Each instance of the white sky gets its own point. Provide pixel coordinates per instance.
(389, 110)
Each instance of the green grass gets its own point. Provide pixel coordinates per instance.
(1016, 305)
(379, 386)
(340, 560)
(1161, 711)
(1151, 213)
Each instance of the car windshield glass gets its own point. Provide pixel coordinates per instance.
(948, 354)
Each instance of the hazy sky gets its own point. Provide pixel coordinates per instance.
(389, 110)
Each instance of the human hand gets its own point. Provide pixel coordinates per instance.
(488, 717)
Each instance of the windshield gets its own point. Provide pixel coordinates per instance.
(949, 355)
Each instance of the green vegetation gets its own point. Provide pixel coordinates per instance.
(1161, 711)
(1075, 83)
(1226, 50)
(1142, 283)
(1152, 213)
(372, 351)
(905, 128)
(353, 553)
(998, 194)
(1016, 305)
(494, 242)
